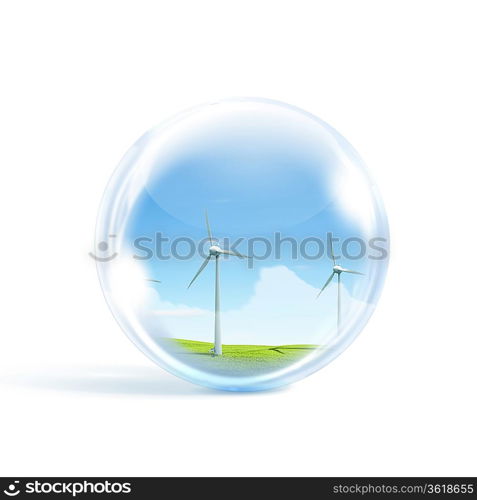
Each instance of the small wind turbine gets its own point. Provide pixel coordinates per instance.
(337, 270)
(215, 252)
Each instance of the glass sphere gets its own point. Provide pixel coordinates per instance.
(242, 244)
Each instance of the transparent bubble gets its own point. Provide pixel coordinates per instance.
(276, 211)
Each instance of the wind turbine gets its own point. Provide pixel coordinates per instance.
(337, 270)
(214, 253)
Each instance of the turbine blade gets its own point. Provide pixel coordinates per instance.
(331, 247)
(208, 227)
(352, 272)
(326, 284)
(242, 256)
(201, 268)
(153, 281)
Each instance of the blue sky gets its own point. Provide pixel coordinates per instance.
(257, 172)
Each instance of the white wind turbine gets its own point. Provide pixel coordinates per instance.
(337, 270)
(215, 252)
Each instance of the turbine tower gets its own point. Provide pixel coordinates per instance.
(214, 253)
(337, 270)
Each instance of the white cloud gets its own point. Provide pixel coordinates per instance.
(282, 310)
(179, 312)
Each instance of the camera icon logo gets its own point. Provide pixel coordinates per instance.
(12, 489)
(103, 246)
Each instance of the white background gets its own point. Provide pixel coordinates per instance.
(80, 81)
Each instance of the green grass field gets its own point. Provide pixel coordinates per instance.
(242, 358)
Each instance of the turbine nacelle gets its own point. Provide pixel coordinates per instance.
(338, 270)
(215, 250)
